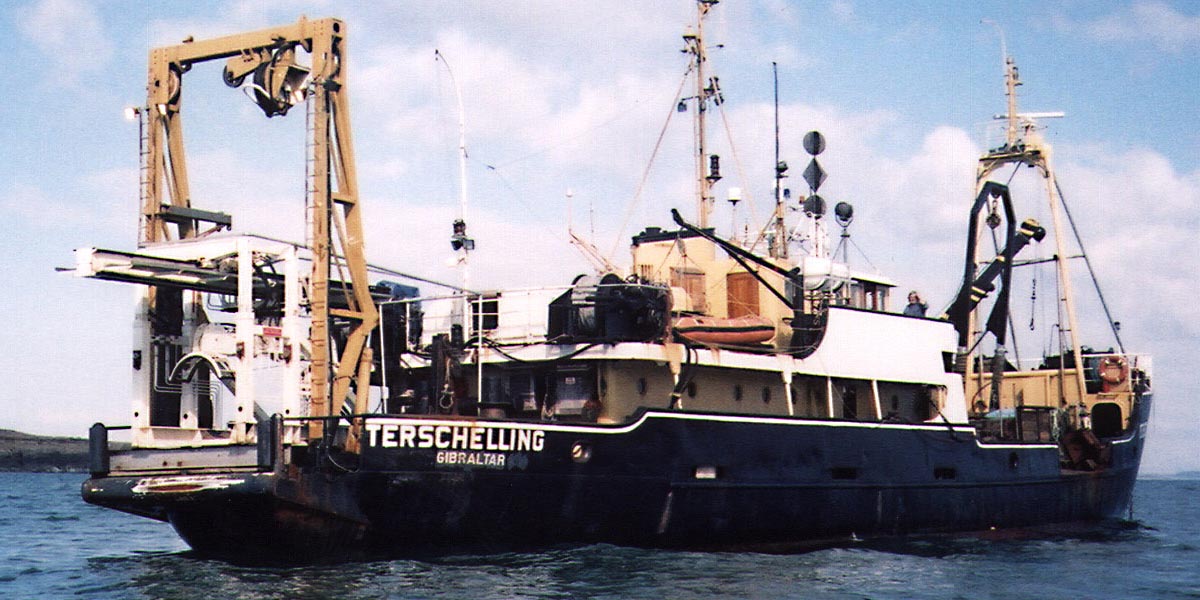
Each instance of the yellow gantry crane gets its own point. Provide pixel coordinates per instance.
(265, 61)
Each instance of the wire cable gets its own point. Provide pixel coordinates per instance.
(1095, 282)
(637, 195)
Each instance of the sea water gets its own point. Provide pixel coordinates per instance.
(52, 545)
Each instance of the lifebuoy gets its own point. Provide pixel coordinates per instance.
(1114, 370)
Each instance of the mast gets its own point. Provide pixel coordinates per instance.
(1024, 144)
(707, 89)
(780, 248)
(459, 240)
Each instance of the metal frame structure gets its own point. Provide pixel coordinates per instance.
(269, 55)
(1024, 145)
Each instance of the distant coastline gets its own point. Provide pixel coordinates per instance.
(24, 452)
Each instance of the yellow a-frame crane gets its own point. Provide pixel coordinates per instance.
(278, 82)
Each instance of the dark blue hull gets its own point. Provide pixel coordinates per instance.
(670, 480)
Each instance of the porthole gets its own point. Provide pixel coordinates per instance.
(581, 452)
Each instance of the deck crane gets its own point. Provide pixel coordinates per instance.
(277, 82)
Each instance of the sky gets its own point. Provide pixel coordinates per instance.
(572, 96)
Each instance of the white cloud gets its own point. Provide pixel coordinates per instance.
(229, 18)
(1139, 218)
(31, 208)
(511, 252)
(1158, 22)
(415, 94)
(843, 10)
(71, 36)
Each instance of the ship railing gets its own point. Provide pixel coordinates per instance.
(506, 316)
(994, 133)
(106, 457)
(1139, 366)
(1031, 407)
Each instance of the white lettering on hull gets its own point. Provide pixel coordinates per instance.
(455, 437)
(491, 460)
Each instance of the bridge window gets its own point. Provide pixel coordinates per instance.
(485, 312)
(868, 295)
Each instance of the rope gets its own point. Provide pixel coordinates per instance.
(521, 199)
(1095, 282)
(737, 161)
(637, 195)
(573, 139)
(496, 347)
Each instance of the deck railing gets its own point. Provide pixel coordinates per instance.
(516, 315)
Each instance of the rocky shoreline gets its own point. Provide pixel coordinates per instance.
(23, 452)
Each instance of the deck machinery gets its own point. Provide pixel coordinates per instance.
(280, 328)
(284, 407)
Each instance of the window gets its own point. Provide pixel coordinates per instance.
(853, 399)
(811, 395)
(692, 282)
(868, 295)
(908, 402)
(485, 312)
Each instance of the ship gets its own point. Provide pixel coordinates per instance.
(293, 402)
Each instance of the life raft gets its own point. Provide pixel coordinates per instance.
(1113, 371)
(751, 329)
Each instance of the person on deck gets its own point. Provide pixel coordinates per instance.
(915, 308)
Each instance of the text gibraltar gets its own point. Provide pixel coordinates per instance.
(454, 437)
